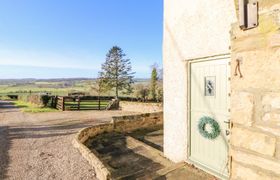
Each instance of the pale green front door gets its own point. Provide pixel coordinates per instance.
(209, 98)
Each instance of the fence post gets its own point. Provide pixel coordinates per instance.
(57, 101)
(52, 101)
(63, 106)
(79, 101)
(99, 103)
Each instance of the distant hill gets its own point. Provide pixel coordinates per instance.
(33, 80)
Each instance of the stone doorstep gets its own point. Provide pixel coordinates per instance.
(159, 156)
(169, 169)
(169, 166)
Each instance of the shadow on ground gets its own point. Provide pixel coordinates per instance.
(4, 148)
(39, 131)
(7, 106)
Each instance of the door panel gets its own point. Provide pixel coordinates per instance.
(209, 97)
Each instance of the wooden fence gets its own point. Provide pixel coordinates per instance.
(60, 103)
(67, 103)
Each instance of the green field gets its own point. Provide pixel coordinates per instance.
(31, 108)
(59, 87)
(89, 105)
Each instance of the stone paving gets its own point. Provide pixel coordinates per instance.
(124, 159)
(128, 157)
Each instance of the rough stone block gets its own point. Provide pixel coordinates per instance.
(277, 153)
(253, 141)
(263, 164)
(275, 40)
(271, 100)
(242, 105)
(240, 172)
(266, 79)
(271, 130)
(272, 118)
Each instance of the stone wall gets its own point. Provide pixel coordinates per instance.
(132, 122)
(141, 107)
(122, 124)
(100, 169)
(255, 98)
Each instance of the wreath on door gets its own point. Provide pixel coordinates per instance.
(209, 128)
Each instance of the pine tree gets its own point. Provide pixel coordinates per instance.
(99, 86)
(153, 83)
(116, 72)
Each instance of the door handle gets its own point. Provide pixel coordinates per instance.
(227, 131)
(228, 123)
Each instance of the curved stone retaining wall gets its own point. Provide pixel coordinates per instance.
(141, 107)
(132, 122)
(119, 124)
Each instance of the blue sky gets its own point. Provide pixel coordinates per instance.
(70, 38)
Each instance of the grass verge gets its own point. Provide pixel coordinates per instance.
(5, 98)
(32, 108)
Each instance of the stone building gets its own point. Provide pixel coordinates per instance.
(222, 86)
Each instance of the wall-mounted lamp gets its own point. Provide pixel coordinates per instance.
(248, 14)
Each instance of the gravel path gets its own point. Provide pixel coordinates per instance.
(39, 146)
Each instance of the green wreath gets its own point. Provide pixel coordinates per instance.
(213, 124)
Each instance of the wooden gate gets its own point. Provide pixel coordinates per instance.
(66, 103)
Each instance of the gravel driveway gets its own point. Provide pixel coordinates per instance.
(39, 146)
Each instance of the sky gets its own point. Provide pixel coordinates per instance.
(70, 38)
